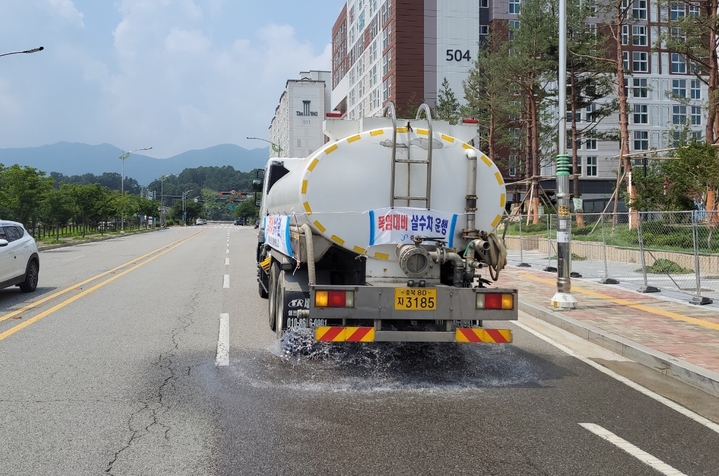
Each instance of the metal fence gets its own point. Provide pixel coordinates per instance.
(671, 252)
(46, 232)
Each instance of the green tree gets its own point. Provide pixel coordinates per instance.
(447, 104)
(589, 83)
(87, 200)
(491, 101)
(530, 68)
(23, 189)
(57, 208)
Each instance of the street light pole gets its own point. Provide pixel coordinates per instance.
(124, 157)
(162, 199)
(184, 206)
(275, 148)
(33, 50)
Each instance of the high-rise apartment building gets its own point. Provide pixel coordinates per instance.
(401, 50)
(296, 128)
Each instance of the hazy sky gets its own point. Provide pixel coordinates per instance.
(176, 75)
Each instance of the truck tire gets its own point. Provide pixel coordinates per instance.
(280, 312)
(272, 302)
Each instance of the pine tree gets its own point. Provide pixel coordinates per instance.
(447, 108)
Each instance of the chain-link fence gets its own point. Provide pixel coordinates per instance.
(673, 252)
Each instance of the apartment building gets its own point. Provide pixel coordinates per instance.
(296, 128)
(401, 50)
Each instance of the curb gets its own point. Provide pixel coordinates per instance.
(678, 369)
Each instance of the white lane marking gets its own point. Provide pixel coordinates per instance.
(227, 252)
(223, 342)
(76, 257)
(227, 261)
(665, 401)
(226, 282)
(639, 454)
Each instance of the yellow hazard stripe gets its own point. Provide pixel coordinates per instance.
(344, 334)
(486, 336)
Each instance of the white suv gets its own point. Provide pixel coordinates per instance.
(19, 261)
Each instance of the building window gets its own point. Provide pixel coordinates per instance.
(696, 89)
(640, 61)
(693, 10)
(514, 6)
(679, 88)
(640, 89)
(512, 165)
(589, 116)
(590, 144)
(676, 11)
(387, 63)
(305, 108)
(577, 116)
(483, 3)
(641, 140)
(513, 26)
(679, 115)
(696, 116)
(579, 168)
(625, 34)
(639, 9)
(679, 65)
(625, 60)
(641, 115)
(639, 35)
(678, 34)
(484, 30)
(591, 168)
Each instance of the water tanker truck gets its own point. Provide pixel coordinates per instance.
(385, 233)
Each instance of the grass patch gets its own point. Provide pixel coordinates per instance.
(665, 266)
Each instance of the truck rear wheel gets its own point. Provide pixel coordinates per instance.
(272, 302)
(280, 317)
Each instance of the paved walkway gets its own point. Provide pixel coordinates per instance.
(668, 334)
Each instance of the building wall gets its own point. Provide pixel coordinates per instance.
(297, 125)
(401, 50)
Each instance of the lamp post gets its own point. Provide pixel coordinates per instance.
(162, 199)
(33, 50)
(124, 157)
(184, 207)
(275, 148)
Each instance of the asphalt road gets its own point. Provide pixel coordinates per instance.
(151, 355)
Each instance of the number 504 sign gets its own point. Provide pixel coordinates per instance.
(458, 55)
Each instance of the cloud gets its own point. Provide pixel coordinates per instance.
(66, 9)
(172, 74)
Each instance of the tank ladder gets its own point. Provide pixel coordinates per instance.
(389, 108)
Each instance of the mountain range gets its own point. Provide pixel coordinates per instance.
(78, 159)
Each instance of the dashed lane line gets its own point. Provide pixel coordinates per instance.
(639, 454)
(223, 342)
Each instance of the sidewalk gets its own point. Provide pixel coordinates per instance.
(676, 338)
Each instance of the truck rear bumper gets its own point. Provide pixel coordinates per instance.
(379, 303)
(369, 334)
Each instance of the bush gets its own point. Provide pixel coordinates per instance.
(665, 266)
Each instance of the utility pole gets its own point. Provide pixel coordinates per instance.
(124, 157)
(563, 299)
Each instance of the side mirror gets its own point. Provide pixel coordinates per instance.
(3, 242)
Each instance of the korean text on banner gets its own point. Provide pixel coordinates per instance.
(277, 233)
(399, 225)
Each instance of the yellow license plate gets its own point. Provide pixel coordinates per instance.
(415, 299)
